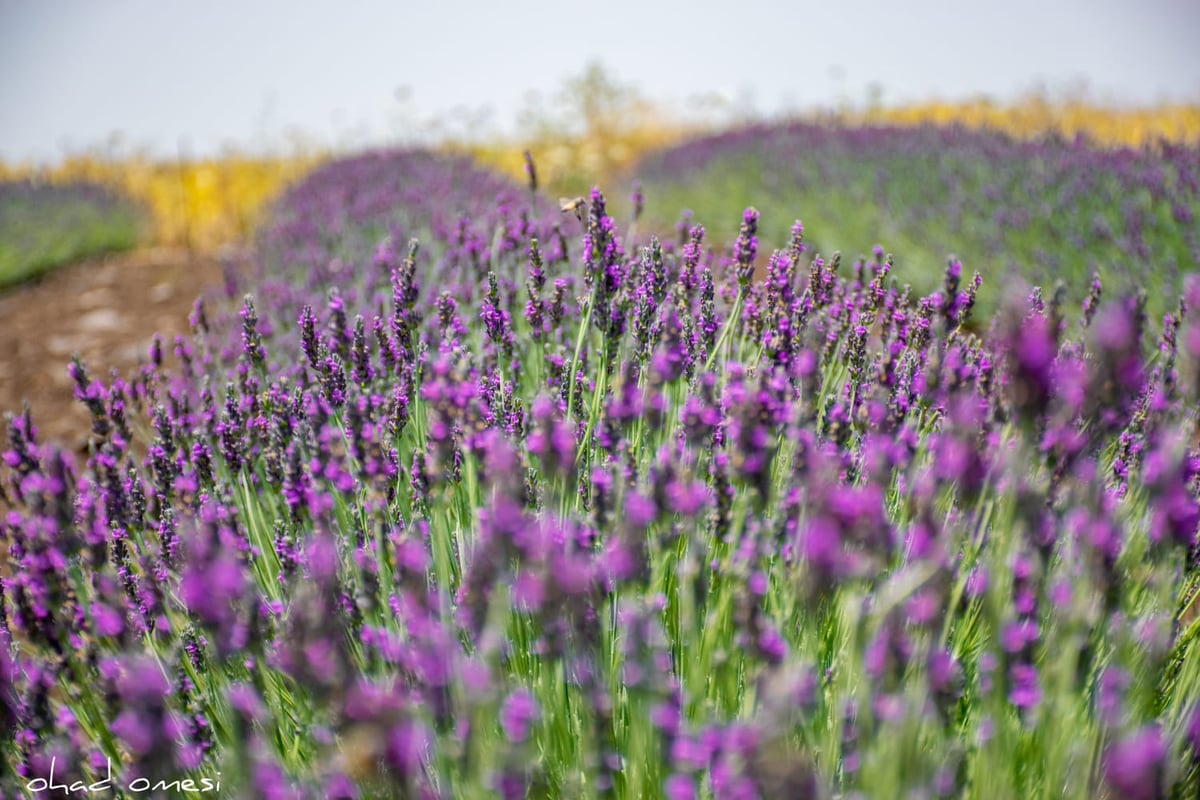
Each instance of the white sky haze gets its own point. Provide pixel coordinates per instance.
(207, 74)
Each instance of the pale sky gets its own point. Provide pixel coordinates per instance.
(204, 74)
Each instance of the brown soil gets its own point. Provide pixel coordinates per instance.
(107, 310)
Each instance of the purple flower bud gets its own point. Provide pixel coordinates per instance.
(407, 747)
(519, 711)
(1134, 765)
(245, 701)
(680, 787)
(252, 346)
(108, 622)
(746, 247)
(137, 734)
(1193, 733)
(1025, 692)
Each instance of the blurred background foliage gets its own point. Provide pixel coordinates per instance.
(1037, 114)
(43, 225)
(594, 130)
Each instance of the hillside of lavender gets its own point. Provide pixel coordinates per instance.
(453, 495)
(1046, 210)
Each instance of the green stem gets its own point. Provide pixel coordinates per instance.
(735, 314)
(584, 327)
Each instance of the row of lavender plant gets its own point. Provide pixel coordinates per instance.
(43, 226)
(469, 501)
(1046, 209)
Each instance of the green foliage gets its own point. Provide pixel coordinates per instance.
(43, 227)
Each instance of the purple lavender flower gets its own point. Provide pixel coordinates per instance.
(519, 711)
(1026, 691)
(680, 787)
(1134, 765)
(745, 249)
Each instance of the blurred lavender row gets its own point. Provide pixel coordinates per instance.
(43, 225)
(1047, 209)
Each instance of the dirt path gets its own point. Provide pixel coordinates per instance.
(107, 310)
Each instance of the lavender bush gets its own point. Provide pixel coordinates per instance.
(465, 500)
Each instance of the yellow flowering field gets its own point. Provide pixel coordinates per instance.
(1034, 116)
(201, 204)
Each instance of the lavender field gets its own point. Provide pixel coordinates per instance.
(1047, 209)
(454, 495)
